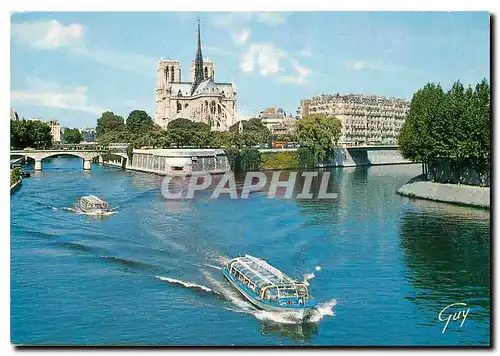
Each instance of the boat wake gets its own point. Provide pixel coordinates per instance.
(187, 284)
(81, 212)
(240, 305)
(313, 316)
(309, 276)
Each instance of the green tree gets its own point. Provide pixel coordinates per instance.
(114, 136)
(254, 131)
(423, 134)
(455, 125)
(34, 134)
(138, 121)
(15, 175)
(72, 136)
(109, 122)
(319, 133)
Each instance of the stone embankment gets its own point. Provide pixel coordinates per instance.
(447, 193)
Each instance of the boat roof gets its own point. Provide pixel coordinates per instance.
(93, 199)
(261, 272)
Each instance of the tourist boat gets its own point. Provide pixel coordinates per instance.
(93, 204)
(266, 287)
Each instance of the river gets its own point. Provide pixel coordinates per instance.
(384, 265)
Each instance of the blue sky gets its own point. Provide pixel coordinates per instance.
(72, 66)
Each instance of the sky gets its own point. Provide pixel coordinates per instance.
(72, 66)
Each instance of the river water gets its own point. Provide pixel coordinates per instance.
(384, 265)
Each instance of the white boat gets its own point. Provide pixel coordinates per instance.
(268, 288)
(93, 204)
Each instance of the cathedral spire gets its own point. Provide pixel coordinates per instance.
(198, 67)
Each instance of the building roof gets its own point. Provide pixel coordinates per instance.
(207, 87)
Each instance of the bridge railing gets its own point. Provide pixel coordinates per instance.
(78, 147)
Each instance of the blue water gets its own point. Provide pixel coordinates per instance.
(148, 275)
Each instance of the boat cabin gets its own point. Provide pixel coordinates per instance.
(93, 202)
(265, 280)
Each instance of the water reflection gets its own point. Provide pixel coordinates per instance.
(296, 332)
(447, 251)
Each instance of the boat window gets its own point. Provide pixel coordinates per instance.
(288, 292)
(273, 292)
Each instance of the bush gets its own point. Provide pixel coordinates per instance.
(249, 159)
(308, 158)
(233, 158)
(15, 175)
(280, 160)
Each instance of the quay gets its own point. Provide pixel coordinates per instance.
(458, 194)
(171, 161)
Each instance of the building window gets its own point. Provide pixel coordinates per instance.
(186, 105)
(179, 107)
(179, 93)
(212, 107)
(172, 73)
(206, 72)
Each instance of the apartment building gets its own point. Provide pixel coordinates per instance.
(366, 119)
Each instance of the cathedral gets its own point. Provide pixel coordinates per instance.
(200, 100)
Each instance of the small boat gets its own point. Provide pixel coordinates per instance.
(93, 204)
(268, 288)
(25, 174)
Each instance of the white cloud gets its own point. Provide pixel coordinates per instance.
(363, 65)
(48, 35)
(52, 35)
(241, 37)
(270, 18)
(265, 56)
(49, 94)
(302, 74)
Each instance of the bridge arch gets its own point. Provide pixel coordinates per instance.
(39, 155)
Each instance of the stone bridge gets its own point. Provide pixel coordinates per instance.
(88, 155)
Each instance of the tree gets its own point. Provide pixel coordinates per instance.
(114, 136)
(35, 134)
(185, 124)
(109, 122)
(319, 133)
(455, 125)
(138, 121)
(254, 131)
(423, 135)
(72, 136)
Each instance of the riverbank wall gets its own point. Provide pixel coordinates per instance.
(457, 194)
(14, 187)
(187, 161)
(365, 156)
(172, 161)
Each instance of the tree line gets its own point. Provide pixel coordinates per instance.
(454, 125)
(37, 134)
(319, 133)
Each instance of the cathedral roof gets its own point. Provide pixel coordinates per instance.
(207, 88)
